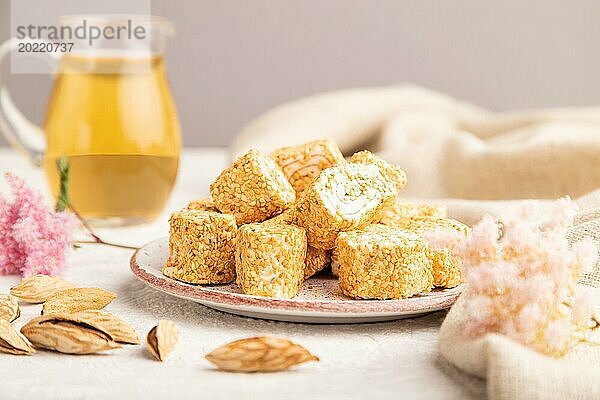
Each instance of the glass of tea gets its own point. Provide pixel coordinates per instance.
(110, 115)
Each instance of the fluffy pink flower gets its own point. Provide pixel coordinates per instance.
(33, 239)
(518, 234)
(492, 277)
(486, 232)
(441, 238)
(558, 256)
(586, 253)
(522, 283)
(529, 319)
(482, 243)
(480, 312)
(562, 215)
(537, 288)
(582, 308)
(509, 328)
(557, 336)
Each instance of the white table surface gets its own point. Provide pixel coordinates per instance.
(372, 361)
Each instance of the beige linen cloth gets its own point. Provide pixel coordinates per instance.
(475, 162)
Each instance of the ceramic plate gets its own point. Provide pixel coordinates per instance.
(319, 301)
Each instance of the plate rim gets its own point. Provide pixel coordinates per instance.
(416, 304)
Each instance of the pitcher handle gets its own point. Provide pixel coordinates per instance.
(22, 134)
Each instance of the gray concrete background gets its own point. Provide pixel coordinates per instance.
(233, 59)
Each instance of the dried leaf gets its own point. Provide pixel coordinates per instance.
(68, 333)
(119, 330)
(259, 354)
(13, 342)
(9, 308)
(38, 288)
(78, 299)
(161, 339)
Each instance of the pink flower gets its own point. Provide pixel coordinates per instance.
(479, 311)
(586, 253)
(562, 215)
(509, 328)
(482, 243)
(518, 234)
(558, 256)
(557, 336)
(443, 238)
(492, 277)
(486, 232)
(529, 319)
(522, 284)
(33, 239)
(583, 305)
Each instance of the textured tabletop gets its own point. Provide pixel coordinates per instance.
(371, 361)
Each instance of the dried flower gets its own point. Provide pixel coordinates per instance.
(522, 275)
(33, 239)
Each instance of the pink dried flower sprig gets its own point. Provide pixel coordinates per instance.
(33, 239)
(521, 277)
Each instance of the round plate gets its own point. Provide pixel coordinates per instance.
(319, 301)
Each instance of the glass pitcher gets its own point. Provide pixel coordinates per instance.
(112, 116)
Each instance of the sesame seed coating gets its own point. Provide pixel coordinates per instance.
(286, 218)
(335, 262)
(201, 247)
(423, 224)
(343, 198)
(270, 259)
(302, 164)
(446, 267)
(316, 260)
(390, 171)
(253, 189)
(401, 210)
(383, 263)
(271, 222)
(202, 204)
